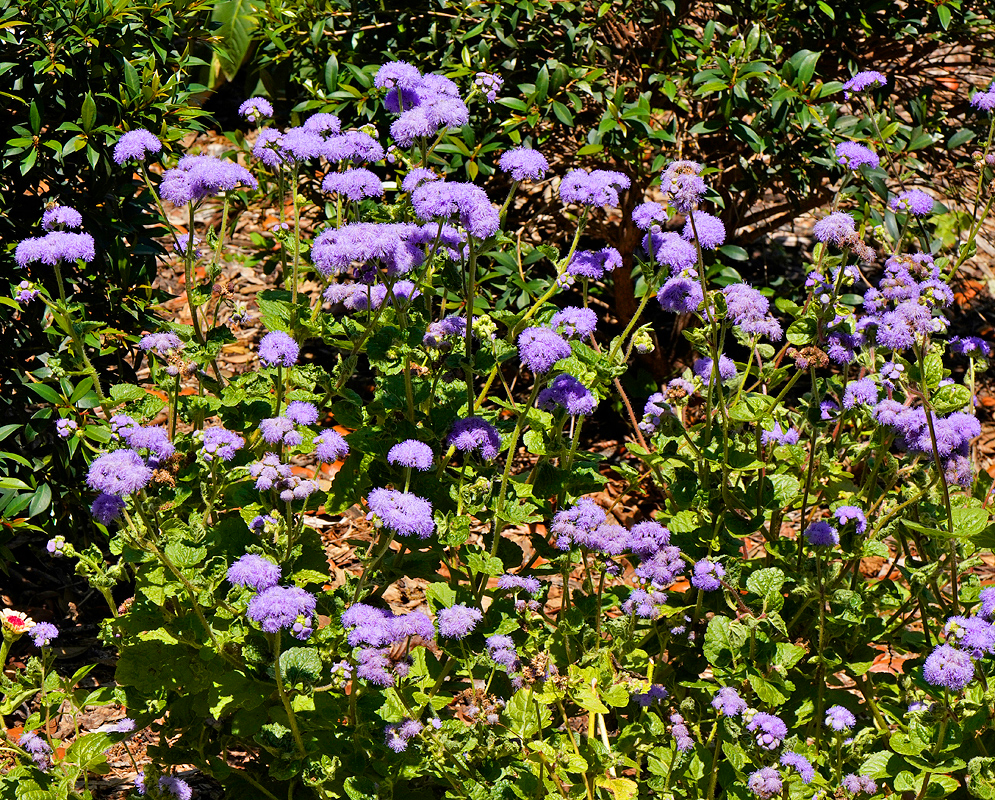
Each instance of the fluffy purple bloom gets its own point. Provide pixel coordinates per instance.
(475, 435)
(568, 393)
(540, 349)
(281, 607)
(822, 534)
(594, 264)
(857, 784)
(681, 733)
(417, 177)
(648, 215)
(680, 295)
(854, 156)
(728, 702)
(153, 440)
(765, 783)
(654, 411)
(576, 522)
(397, 73)
(711, 230)
(66, 427)
(197, 177)
(644, 604)
(278, 348)
(682, 185)
(106, 508)
(119, 473)
(972, 346)
(323, 123)
(177, 787)
(254, 572)
(671, 249)
(768, 729)
(647, 538)
(524, 164)
(411, 453)
(457, 202)
(458, 621)
(330, 446)
(301, 412)
(749, 310)
(489, 84)
(255, 109)
(140, 783)
(26, 292)
(777, 436)
(136, 145)
(847, 514)
(510, 582)
(279, 430)
(596, 188)
(42, 633)
(655, 694)
(837, 228)
(914, 201)
(402, 512)
(38, 749)
(397, 735)
(354, 184)
(270, 473)
(161, 343)
(863, 393)
(663, 568)
(574, 321)
(123, 725)
(707, 575)
(987, 600)
(973, 634)
(727, 369)
(839, 719)
(353, 146)
(867, 79)
(501, 650)
(984, 101)
(800, 764)
(220, 443)
(948, 667)
(61, 217)
(395, 247)
(54, 247)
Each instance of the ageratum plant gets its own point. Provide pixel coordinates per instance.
(724, 645)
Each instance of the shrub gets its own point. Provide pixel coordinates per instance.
(723, 642)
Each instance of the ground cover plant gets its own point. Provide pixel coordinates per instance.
(721, 646)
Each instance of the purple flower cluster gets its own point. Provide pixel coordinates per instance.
(654, 411)
(768, 729)
(412, 454)
(777, 436)
(644, 604)
(425, 104)
(403, 513)
(489, 84)
(197, 177)
(54, 247)
(867, 79)
(800, 764)
(136, 145)
(61, 217)
(750, 311)
(501, 650)
(974, 635)
(475, 435)
(765, 783)
(524, 164)
(220, 443)
(681, 733)
(953, 436)
(682, 185)
(948, 667)
(859, 784)
(254, 572)
(971, 346)
(540, 348)
(728, 702)
(593, 264)
(395, 247)
(599, 187)
(574, 321)
(708, 230)
(854, 156)
(727, 369)
(984, 100)
(278, 349)
(119, 473)
(38, 749)
(353, 184)
(569, 394)
(279, 607)
(398, 734)
(457, 203)
(839, 719)
(177, 787)
(681, 294)
(280, 430)
(440, 335)
(914, 201)
(821, 534)
(656, 693)
(458, 621)
(707, 575)
(43, 633)
(26, 292)
(363, 297)
(66, 427)
(846, 514)
(255, 108)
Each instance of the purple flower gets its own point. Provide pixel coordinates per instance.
(656, 693)
(972, 346)
(417, 177)
(727, 369)
(66, 427)
(458, 621)
(106, 508)
(54, 247)
(973, 634)
(397, 735)
(681, 733)
(279, 430)
(839, 719)
(510, 582)
(43, 633)
(948, 667)
(867, 79)
(540, 349)
(136, 145)
(711, 230)
(475, 435)
(395, 247)
(354, 146)
(270, 473)
(524, 164)
(26, 292)
(778, 436)
(300, 144)
(281, 607)
(488, 84)
(594, 264)
(220, 443)
(837, 228)
(857, 784)
(749, 310)
(649, 215)
(577, 522)
(457, 202)
(682, 185)
(984, 101)
(914, 201)
(644, 604)
(854, 156)
(654, 411)
(301, 412)
(501, 650)
(411, 453)
(330, 446)
(61, 217)
(863, 392)
(397, 73)
(38, 749)
(255, 109)
(162, 343)
(987, 600)
(647, 538)
(354, 184)
(768, 729)
(574, 321)
(197, 177)
(402, 512)
(323, 123)
(140, 783)
(177, 787)
(728, 702)
(846, 514)
(254, 572)
(568, 393)
(119, 473)
(680, 295)
(765, 783)
(822, 534)
(183, 241)
(278, 348)
(707, 575)
(801, 765)
(596, 188)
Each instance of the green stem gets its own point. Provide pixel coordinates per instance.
(291, 717)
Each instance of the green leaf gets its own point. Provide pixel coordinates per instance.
(88, 113)
(717, 640)
(484, 564)
(237, 19)
(440, 595)
(525, 716)
(89, 749)
(300, 665)
(981, 777)
(944, 14)
(766, 582)
(126, 393)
